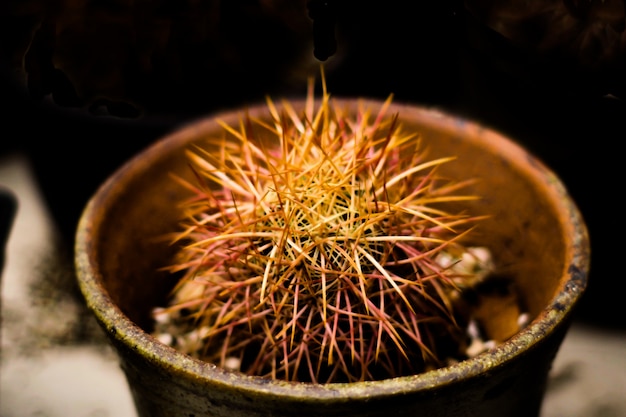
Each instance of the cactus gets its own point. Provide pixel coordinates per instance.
(317, 247)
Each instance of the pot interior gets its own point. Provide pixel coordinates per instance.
(528, 231)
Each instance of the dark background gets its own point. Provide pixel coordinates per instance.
(86, 84)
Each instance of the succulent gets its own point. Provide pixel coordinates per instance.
(317, 247)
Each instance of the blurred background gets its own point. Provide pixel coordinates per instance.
(86, 84)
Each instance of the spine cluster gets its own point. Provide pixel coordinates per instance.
(311, 249)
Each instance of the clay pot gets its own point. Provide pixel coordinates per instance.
(536, 233)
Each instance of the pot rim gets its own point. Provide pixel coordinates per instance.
(572, 284)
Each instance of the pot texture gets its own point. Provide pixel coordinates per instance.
(536, 232)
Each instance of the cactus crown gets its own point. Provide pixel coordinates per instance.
(314, 256)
